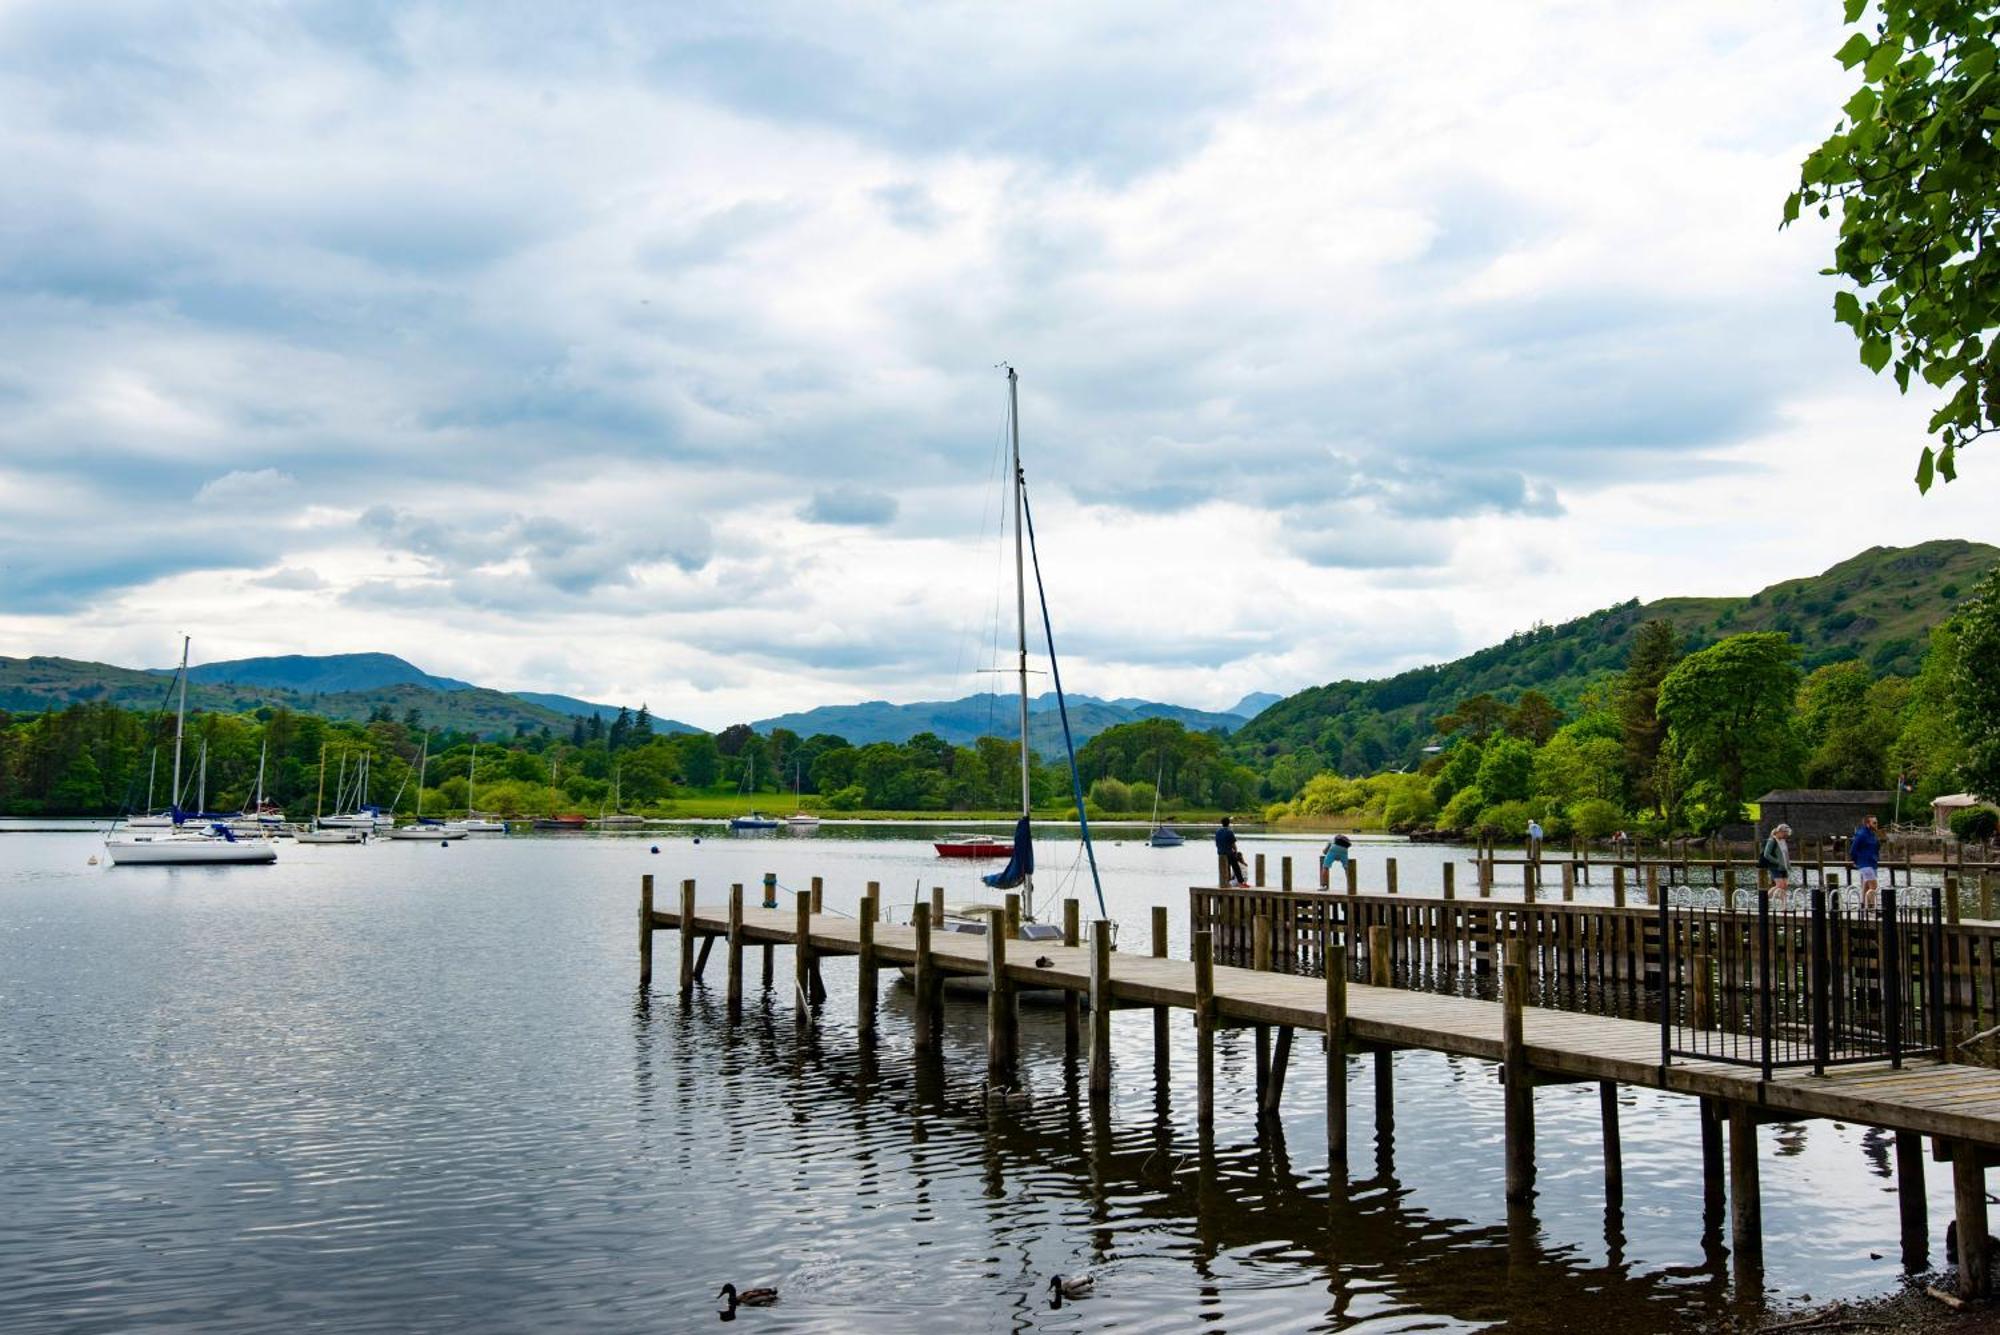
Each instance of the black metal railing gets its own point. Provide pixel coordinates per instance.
(1818, 985)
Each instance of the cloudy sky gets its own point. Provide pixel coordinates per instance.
(649, 352)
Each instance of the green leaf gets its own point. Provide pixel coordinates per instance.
(1847, 310)
(1875, 353)
(1903, 377)
(1862, 106)
(1924, 465)
(1791, 209)
(1882, 61)
(1854, 8)
(1945, 467)
(1853, 51)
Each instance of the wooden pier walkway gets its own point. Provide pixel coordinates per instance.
(1957, 1106)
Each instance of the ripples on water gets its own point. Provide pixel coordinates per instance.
(404, 1087)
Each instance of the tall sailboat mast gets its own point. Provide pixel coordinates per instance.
(180, 723)
(1020, 574)
(319, 803)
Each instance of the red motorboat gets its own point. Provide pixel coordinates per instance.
(973, 846)
(570, 821)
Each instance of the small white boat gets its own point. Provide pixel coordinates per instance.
(185, 848)
(803, 819)
(434, 831)
(482, 825)
(333, 836)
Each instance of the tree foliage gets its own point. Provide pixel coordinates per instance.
(1912, 170)
(1975, 688)
(1728, 711)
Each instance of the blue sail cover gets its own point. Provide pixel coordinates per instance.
(1021, 865)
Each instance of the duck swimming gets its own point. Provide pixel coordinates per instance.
(748, 1297)
(1060, 1288)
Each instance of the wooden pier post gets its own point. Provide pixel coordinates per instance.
(802, 956)
(1614, 1153)
(1711, 1154)
(1013, 919)
(1336, 1054)
(735, 959)
(867, 985)
(926, 988)
(1520, 1093)
(1071, 928)
(1100, 1009)
(1746, 1207)
(1380, 967)
(1162, 1034)
(1258, 879)
(1986, 896)
(1353, 878)
(687, 939)
(1450, 880)
(770, 901)
(818, 895)
(1652, 885)
(1484, 870)
(1204, 1023)
(645, 932)
(1260, 962)
(1911, 1203)
(1389, 874)
(1285, 873)
(1002, 1031)
(937, 906)
(1531, 876)
(1618, 887)
(1968, 1183)
(1569, 882)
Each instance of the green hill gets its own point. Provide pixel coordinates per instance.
(1878, 607)
(36, 684)
(962, 721)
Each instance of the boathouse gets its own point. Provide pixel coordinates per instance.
(1818, 813)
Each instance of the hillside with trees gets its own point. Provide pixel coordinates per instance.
(1877, 609)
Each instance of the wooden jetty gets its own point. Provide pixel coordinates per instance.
(1958, 1107)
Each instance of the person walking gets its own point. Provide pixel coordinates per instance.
(1864, 855)
(1534, 840)
(1335, 854)
(1231, 855)
(1776, 859)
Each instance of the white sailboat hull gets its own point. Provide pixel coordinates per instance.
(185, 850)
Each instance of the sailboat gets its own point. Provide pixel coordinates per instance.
(182, 845)
(800, 819)
(613, 816)
(756, 821)
(432, 829)
(263, 819)
(474, 823)
(1020, 869)
(568, 820)
(320, 833)
(1162, 836)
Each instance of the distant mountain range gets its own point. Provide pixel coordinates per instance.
(1878, 607)
(341, 686)
(962, 721)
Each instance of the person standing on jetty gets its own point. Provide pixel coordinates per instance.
(1232, 856)
(1864, 855)
(1534, 840)
(1777, 860)
(1333, 855)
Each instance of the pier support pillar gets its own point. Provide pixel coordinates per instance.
(1071, 912)
(1912, 1203)
(1380, 966)
(1450, 879)
(1204, 1024)
(1161, 1032)
(1281, 1060)
(1968, 1182)
(1002, 1021)
(1389, 874)
(926, 984)
(687, 939)
(1336, 1056)
(1614, 1153)
(802, 957)
(1353, 878)
(1100, 1009)
(1520, 1094)
(1746, 1201)
(735, 960)
(1260, 961)
(1569, 882)
(1711, 1156)
(645, 932)
(867, 987)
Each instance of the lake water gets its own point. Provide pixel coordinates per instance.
(405, 1086)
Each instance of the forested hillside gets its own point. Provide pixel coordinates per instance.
(1877, 608)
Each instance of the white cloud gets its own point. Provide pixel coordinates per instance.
(1340, 352)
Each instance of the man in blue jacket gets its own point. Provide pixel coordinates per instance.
(1225, 844)
(1864, 854)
